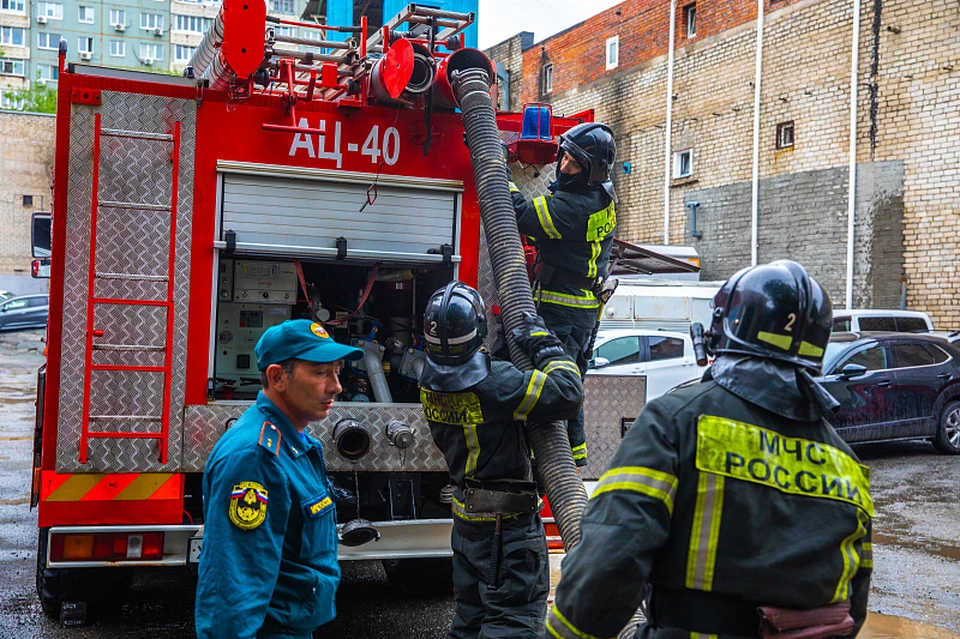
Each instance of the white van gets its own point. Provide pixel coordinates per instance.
(893, 321)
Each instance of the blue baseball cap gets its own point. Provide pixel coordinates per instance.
(302, 339)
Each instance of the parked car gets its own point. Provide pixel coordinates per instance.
(894, 386)
(665, 358)
(872, 319)
(25, 311)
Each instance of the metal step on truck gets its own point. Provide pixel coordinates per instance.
(283, 177)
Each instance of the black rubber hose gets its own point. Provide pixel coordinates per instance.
(549, 441)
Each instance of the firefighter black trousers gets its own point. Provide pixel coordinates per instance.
(511, 603)
(574, 327)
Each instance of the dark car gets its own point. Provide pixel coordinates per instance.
(25, 311)
(894, 386)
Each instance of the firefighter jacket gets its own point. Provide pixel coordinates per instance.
(573, 231)
(269, 561)
(713, 500)
(480, 430)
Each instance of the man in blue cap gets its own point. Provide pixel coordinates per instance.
(269, 562)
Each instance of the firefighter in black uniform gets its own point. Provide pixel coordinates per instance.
(476, 409)
(732, 500)
(573, 227)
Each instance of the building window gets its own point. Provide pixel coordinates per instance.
(11, 66)
(50, 10)
(85, 15)
(48, 72)
(281, 6)
(682, 164)
(690, 19)
(182, 53)
(290, 32)
(151, 21)
(546, 79)
(613, 52)
(151, 52)
(118, 48)
(785, 135)
(11, 100)
(118, 17)
(48, 41)
(192, 24)
(13, 6)
(12, 36)
(85, 44)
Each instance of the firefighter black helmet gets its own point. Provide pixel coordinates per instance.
(592, 145)
(454, 327)
(774, 311)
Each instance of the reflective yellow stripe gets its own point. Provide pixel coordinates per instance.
(546, 222)
(473, 449)
(702, 635)
(648, 481)
(579, 452)
(702, 556)
(806, 348)
(594, 255)
(789, 464)
(513, 187)
(75, 487)
(561, 363)
(564, 299)
(565, 629)
(780, 341)
(866, 556)
(534, 388)
(851, 561)
(143, 486)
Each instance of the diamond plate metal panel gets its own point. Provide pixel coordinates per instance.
(128, 241)
(607, 401)
(532, 181)
(205, 424)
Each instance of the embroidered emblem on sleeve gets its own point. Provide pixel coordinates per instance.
(248, 505)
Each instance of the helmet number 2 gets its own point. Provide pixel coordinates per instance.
(791, 318)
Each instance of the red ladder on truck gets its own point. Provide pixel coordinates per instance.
(162, 140)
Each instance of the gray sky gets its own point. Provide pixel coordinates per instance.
(499, 19)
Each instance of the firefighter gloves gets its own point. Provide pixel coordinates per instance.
(537, 340)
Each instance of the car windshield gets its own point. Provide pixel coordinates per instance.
(830, 354)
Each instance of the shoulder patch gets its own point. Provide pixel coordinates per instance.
(270, 438)
(248, 505)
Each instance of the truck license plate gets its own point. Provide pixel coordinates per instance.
(193, 556)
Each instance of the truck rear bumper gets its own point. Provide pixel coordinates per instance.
(398, 540)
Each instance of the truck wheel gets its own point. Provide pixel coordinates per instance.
(103, 589)
(418, 577)
(947, 440)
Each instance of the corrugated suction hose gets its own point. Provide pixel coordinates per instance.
(550, 444)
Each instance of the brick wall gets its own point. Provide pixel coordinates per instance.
(509, 53)
(908, 97)
(26, 167)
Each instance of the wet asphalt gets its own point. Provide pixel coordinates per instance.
(916, 547)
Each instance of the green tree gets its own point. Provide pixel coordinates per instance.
(39, 98)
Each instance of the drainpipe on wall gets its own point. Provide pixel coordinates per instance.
(668, 141)
(755, 193)
(852, 181)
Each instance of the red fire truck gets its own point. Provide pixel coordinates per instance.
(283, 177)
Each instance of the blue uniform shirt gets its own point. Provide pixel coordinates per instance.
(269, 561)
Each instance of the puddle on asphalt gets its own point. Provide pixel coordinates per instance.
(929, 547)
(877, 626)
(887, 627)
(15, 438)
(14, 502)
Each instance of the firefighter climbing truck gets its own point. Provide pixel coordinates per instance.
(281, 177)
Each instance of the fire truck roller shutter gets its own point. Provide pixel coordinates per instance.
(305, 216)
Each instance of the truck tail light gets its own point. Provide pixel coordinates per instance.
(107, 547)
